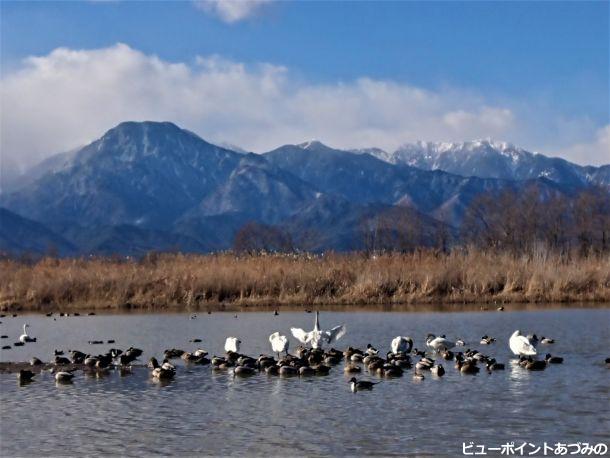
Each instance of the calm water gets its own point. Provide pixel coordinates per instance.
(203, 413)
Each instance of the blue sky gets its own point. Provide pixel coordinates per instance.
(528, 62)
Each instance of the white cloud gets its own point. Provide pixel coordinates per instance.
(596, 151)
(70, 97)
(231, 11)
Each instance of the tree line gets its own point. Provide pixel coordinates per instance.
(517, 222)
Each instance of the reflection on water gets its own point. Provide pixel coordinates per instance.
(203, 412)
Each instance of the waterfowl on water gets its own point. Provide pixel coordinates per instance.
(173, 353)
(23, 338)
(534, 364)
(520, 345)
(25, 375)
(546, 341)
(64, 376)
(321, 369)
(159, 372)
(371, 351)
(279, 343)
(352, 368)
(61, 361)
(401, 344)
(317, 337)
(272, 370)
(486, 340)
(439, 343)
(232, 344)
(35, 361)
(390, 370)
(424, 364)
(553, 359)
(361, 385)
(437, 370)
(357, 358)
(305, 371)
(460, 343)
(467, 366)
(243, 371)
(447, 355)
(492, 365)
(287, 371)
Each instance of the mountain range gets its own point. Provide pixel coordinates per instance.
(148, 186)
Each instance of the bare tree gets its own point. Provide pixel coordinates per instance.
(256, 237)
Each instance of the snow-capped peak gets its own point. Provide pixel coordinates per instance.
(312, 144)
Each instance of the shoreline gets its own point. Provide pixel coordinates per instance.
(423, 307)
(420, 280)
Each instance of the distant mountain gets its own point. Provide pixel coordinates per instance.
(20, 235)
(258, 190)
(364, 179)
(142, 174)
(489, 159)
(152, 186)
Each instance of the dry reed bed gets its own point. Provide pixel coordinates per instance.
(193, 281)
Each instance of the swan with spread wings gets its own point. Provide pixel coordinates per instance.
(317, 338)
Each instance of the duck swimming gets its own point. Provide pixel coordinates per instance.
(25, 375)
(553, 359)
(64, 376)
(361, 385)
(486, 340)
(160, 372)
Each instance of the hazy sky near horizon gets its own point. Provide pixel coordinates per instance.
(263, 73)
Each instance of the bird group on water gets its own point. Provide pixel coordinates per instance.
(309, 358)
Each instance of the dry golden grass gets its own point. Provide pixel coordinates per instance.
(194, 281)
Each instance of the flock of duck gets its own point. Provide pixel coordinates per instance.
(309, 358)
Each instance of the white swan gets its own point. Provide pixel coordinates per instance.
(439, 343)
(232, 344)
(279, 343)
(401, 344)
(520, 345)
(25, 337)
(317, 337)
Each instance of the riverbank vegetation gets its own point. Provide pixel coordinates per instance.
(178, 281)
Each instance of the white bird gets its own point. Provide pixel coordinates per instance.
(232, 344)
(439, 343)
(25, 337)
(279, 343)
(317, 337)
(401, 344)
(520, 345)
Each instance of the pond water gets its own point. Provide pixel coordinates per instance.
(206, 413)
